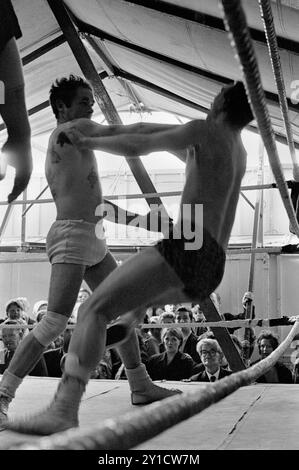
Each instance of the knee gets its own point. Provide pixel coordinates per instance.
(51, 326)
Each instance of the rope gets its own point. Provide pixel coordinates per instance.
(235, 23)
(262, 322)
(267, 16)
(136, 427)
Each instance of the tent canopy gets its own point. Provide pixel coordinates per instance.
(172, 56)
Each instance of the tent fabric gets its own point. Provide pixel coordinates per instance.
(175, 30)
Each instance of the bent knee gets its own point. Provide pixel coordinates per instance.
(49, 328)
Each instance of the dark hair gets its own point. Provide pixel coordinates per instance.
(269, 336)
(65, 89)
(236, 105)
(185, 309)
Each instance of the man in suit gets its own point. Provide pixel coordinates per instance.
(210, 354)
(184, 315)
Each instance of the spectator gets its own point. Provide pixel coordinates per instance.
(267, 342)
(15, 310)
(171, 364)
(82, 297)
(184, 315)
(211, 356)
(198, 317)
(11, 337)
(40, 305)
(54, 356)
(167, 317)
(153, 341)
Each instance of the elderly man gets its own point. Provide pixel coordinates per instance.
(211, 357)
(188, 265)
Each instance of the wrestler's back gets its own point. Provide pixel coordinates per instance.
(72, 176)
(213, 177)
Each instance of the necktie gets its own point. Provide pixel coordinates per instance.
(212, 378)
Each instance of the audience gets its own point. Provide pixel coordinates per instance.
(153, 341)
(184, 315)
(167, 317)
(179, 354)
(11, 337)
(279, 373)
(211, 357)
(171, 364)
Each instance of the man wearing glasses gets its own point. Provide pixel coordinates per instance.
(211, 357)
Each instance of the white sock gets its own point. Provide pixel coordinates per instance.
(9, 384)
(138, 378)
(73, 368)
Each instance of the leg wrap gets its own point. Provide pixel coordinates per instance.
(51, 326)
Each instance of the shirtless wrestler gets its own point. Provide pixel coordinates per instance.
(169, 271)
(73, 246)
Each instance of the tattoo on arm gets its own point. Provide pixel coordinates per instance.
(92, 178)
(63, 139)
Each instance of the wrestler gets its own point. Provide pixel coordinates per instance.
(75, 244)
(175, 269)
(17, 148)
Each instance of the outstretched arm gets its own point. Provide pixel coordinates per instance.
(92, 129)
(156, 220)
(133, 145)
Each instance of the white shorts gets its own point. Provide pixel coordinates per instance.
(75, 242)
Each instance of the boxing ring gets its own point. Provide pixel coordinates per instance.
(242, 416)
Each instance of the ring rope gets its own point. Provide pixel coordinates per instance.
(262, 322)
(133, 428)
(267, 17)
(236, 26)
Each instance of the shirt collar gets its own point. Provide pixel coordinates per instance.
(214, 375)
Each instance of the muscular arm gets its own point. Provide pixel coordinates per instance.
(155, 220)
(93, 129)
(173, 139)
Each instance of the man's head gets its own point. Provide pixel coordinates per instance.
(71, 98)
(12, 336)
(83, 295)
(267, 342)
(184, 315)
(247, 298)
(233, 106)
(210, 354)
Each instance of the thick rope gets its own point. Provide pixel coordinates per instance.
(262, 322)
(267, 17)
(236, 25)
(136, 427)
